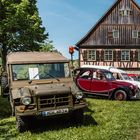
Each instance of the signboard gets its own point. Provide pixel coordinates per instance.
(33, 73)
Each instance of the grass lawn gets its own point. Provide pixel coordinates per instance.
(103, 120)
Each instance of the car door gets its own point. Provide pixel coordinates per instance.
(100, 85)
(84, 80)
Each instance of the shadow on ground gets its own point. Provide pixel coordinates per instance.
(5, 110)
(39, 126)
(8, 124)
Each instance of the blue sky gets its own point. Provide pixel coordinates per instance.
(67, 21)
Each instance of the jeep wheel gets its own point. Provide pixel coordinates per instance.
(22, 123)
(77, 116)
(120, 95)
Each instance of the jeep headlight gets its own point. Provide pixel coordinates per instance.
(26, 100)
(79, 95)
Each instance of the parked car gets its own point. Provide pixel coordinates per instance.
(134, 77)
(102, 82)
(119, 75)
(39, 85)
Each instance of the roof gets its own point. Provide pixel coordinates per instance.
(92, 68)
(110, 68)
(35, 57)
(102, 19)
(97, 66)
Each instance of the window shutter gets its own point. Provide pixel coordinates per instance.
(114, 55)
(110, 34)
(85, 55)
(138, 34)
(102, 55)
(118, 56)
(136, 56)
(97, 55)
(131, 12)
(131, 56)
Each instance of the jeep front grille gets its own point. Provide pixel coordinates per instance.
(55, 101)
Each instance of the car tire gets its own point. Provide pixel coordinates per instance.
(22, 123)
(120, 95)
(78, 116)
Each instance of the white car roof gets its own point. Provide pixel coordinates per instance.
(110, 68)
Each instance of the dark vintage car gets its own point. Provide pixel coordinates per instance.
(102, 82)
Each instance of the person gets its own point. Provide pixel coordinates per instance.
(98, 75)
(116, 75)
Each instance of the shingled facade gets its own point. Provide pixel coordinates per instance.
(115, 39)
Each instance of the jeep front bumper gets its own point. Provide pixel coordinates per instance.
(51, 112)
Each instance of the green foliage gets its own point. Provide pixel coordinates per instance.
(46, 47)
(20, 26)
(103, 120)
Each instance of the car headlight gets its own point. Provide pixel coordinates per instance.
(26, 100)
(79, 95)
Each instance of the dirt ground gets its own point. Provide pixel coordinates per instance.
(138, 136)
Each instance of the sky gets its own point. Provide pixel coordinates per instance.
(67, 21)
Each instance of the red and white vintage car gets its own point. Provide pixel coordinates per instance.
(102, 82)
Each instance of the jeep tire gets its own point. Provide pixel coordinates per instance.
(22, 123)
(120, 95)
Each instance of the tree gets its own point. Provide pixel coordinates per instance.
(46, 47)
(20, 27)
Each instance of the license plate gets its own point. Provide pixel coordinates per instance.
(55, 112)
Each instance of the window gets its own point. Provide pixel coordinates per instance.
(138, 55)
(125, 11)
(91, 55)
(85, 75)
(135, 34)
(108, 55)
(40, 71)
(115, 34)
(125, 55)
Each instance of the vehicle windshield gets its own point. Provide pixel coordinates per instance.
(109, 76)
(40, 71)
(125, 76)
(135, 78)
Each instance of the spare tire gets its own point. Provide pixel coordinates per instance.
(4, 85)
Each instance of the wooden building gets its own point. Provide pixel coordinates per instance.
(115, 39)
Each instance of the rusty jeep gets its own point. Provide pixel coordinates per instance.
(40, 85)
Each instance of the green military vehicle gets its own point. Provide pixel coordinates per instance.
(40, 85)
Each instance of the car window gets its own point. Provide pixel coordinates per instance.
(125, 76)
(109, 76)
(85, 74)
(98, 75)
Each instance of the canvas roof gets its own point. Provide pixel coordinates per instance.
(35, 57)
